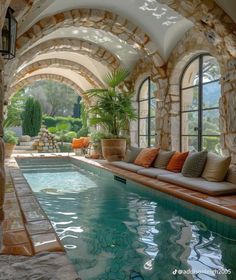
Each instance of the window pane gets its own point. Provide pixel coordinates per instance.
(143, 127)
(190, 99)
(143, 109)
(153, 87)
(210, 122)
(189, 143)
(153, 107)
(190, 123)
(152, 141)
(212, 144)
(191, 75)
(211, 95)
(210, 68)
(153, 126)
(143, 93)
(143, 141)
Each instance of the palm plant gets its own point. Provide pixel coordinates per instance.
(113, 109)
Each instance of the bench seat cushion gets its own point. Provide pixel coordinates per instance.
(200, 184)
(153, 172)
(126, 165)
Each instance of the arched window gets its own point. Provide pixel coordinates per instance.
(200, 92)
(147, 114)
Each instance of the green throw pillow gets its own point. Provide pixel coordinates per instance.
(194, 164)
(131, 154)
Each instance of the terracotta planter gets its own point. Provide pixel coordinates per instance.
(9, 149)
(113, 149)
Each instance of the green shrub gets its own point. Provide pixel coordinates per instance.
(70, 135)
(83, 132)
(9, 137)
(31, 117)
(63, 126)
(52, 130)
(75, 123)
(96, 136)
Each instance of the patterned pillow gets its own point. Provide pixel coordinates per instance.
(163, 159)
(194, 164)
(176, 162)
(216, 168)
(146, 157)
(131, 154)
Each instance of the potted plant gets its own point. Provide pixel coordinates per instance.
(113, 111)
(10, 142)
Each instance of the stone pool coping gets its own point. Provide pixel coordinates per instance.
(27, 231)
(225, 204)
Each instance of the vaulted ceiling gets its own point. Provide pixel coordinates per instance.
(56, 35)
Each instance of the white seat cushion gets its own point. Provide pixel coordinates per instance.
(126, 165)
(153, 172)
(199, 184)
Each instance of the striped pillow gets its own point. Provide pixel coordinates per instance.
(194, 164)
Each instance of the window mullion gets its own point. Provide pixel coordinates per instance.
(200, 96)
(149, 112)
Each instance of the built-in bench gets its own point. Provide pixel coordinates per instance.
(197, 184)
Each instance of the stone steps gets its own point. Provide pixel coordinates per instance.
(26, 147)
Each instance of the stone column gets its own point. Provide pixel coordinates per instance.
(3, 8)
(2, 171)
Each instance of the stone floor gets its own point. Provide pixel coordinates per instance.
(30, 248)
(42, 266)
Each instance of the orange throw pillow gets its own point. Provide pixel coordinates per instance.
(77, 143)
(146, 157)
(176, 162)
(86, 141)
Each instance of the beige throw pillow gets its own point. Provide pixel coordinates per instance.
(231, 175)
(216, 168)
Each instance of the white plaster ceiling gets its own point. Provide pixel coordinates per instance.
(76, 78)
(97, 68)
(163, 25)
(127, 54)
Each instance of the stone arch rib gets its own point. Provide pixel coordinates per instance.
(62, 63)
(95, 18)
(80, 46)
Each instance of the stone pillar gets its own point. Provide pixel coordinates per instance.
(3, 8)
(2, 171)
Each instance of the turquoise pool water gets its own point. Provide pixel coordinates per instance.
(113, 230)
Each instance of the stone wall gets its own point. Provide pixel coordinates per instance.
(213, 33)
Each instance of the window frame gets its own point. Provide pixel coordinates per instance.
(200, 108)
(149, 117)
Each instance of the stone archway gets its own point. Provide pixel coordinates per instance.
(62, 63)
(53, 77)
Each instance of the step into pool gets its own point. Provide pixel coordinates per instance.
(115, 229)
